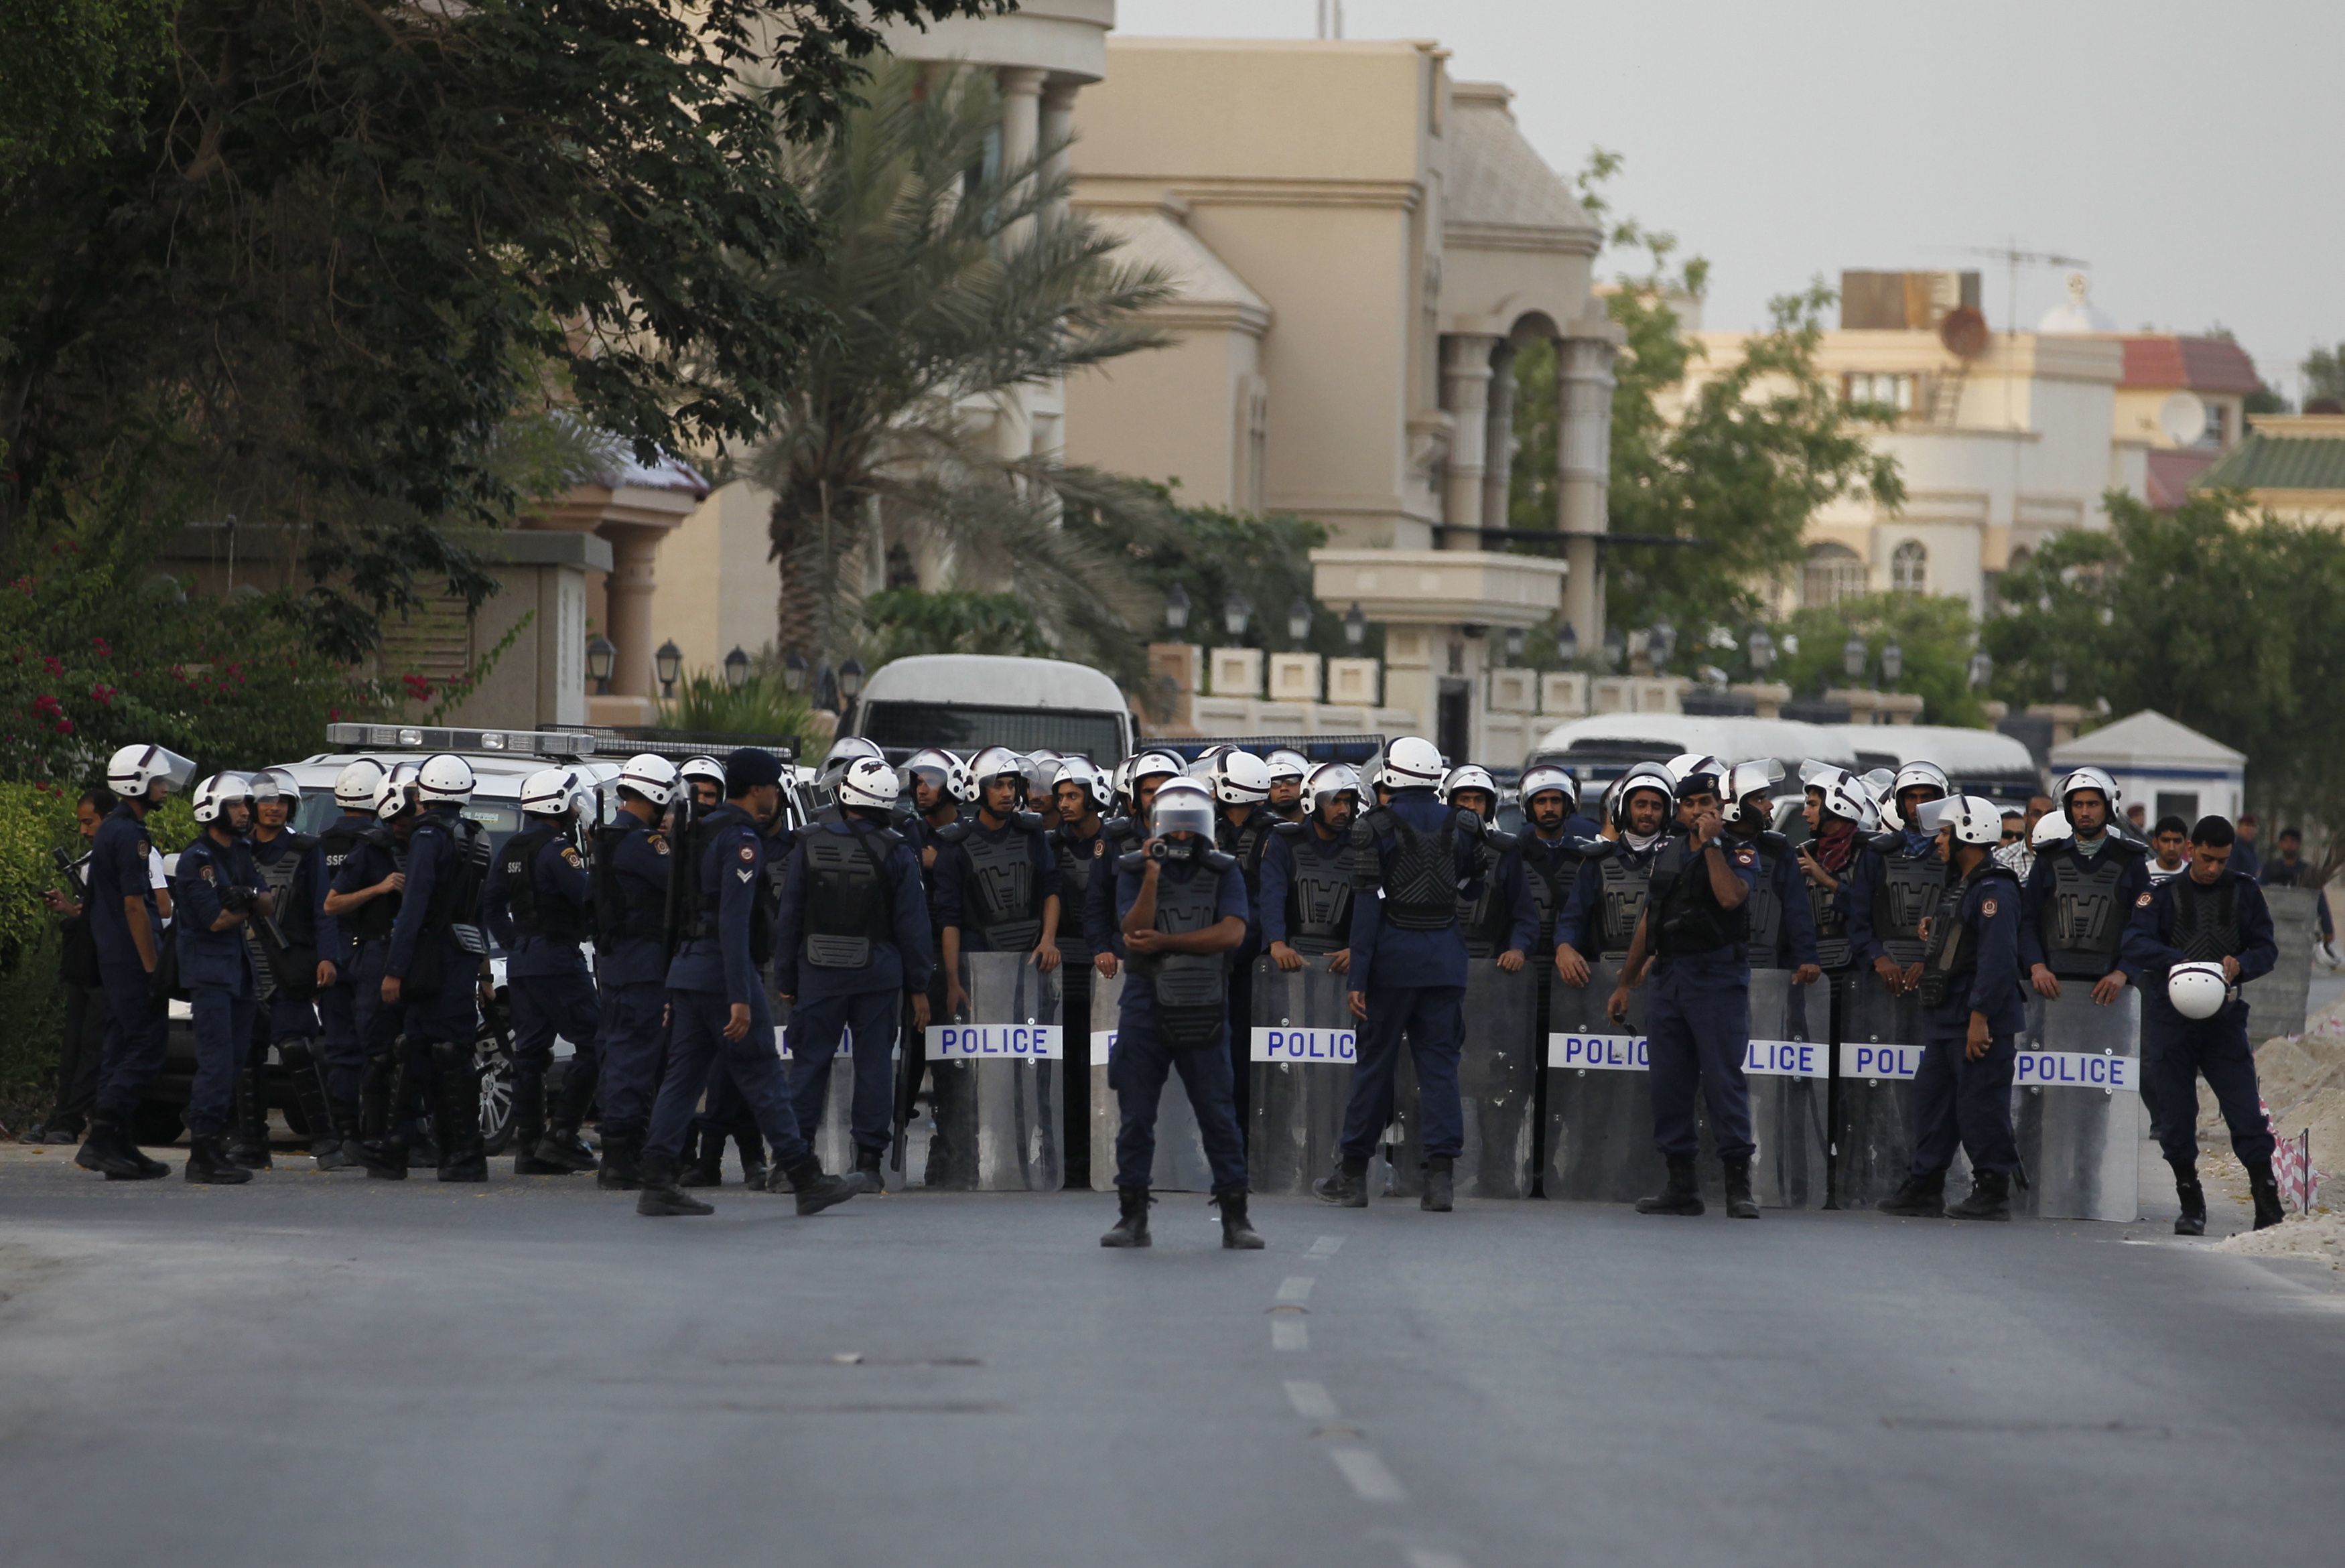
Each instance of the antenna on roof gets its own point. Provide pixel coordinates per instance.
(1331, 18)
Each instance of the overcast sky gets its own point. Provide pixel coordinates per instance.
(2194, 154)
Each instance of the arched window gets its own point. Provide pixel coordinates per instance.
(1909, 567)
(1833, 573)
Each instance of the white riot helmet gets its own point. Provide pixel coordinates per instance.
(1466, 775)
(1151, 766)
(1884, 806)
(1182, 805)
(650, 775)
(1081, 771)
(1845, 797)
(1286, 763)
(212, 797)
(1694, 764)
(1923, 775)
(1547, 776)
(445, 780)
(696, 770)
(546, 792)
(960, 783)
(276, 784)
(1240, 778)
(1328, 781)
(843, 751)
(1039, 772)
(396, 793)
(135, 770)
(2094, 779)
(1975, 819)
(2198, 991)
(1643, 776)
(1745, 780)
(2050, 829)
(354, 786)
(993, 762)
(1200, 766)
(929, 766)
(869, 783)
(1412, 763)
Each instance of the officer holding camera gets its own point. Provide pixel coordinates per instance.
(217, 889)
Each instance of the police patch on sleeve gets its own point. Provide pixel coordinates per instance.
(572, 856)
(2142, 902)
(1746, 857)
(658, 841)
(1986, 909)
(748, 851)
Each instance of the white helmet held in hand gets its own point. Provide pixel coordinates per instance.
(2050, 828)
(1547, 776)
(546, 792)
(870, 782)
(1240, 778)
(1975, 819)
(354, 786)
(445, 780)
(215, 795)
(135, 770)
(650, 775)
(2198, 991)
(1412, 763)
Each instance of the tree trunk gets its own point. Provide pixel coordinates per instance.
(810, 542)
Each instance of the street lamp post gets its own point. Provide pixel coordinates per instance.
(1237, 614)
(1761, 646)
(602, 654)
(1566, 644)
(794, 672)
(850, 679)
(1892, 663)
(1853, 657)
(669, 663)
(1298, 621)
(1516, 640)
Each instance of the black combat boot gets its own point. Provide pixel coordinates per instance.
(529, 1125)
(1237, 1236)
(463, 1156)
(755, 1171)
(662, 1197)
(1740, 1203)
(2192, 1221)
(209, 1164)
(381, 1085)
(867, 1171)
(1989, 1199)
(621, 1171)
(816, 1191)
(563, 1145)
(249, 1147)
(2270, 1211)
(704, 1168)
(340, 1149)
(561, 1152)
(1348, 1187)
(1131, 1227)
(1681, 1196)
(1438, 1184)
(309, 1086)
(1917, 1197)
(108, 1150)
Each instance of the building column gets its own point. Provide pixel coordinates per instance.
(627, 605)
(1057, 123)
(1465, 396)
(1021, 130)
(1583, 475)
(1498, 446)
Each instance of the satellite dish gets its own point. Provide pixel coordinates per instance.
(1964, 332)
(2182, 420)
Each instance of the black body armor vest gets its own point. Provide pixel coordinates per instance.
(1420, 887)
(1080, 860)
(1908, 890)
(999, 899)
(1622, 885)
(554, 919)
(1763, 910)
(456, 899)
(1318, 892)
(372, 921)
(1487, 925)
(2206, 919)
(1951, 954)
(614, 921)
(1690, 919)
(1192, 989)
(850, 906)
(1551, 869)
(2082, 920)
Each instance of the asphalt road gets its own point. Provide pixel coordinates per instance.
(321, 1369)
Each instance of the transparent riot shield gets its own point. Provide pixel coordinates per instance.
(1878, 1052)
(1497, 1069)
(2075, 1106)
(1181, 1165)
(1300, 1074)
(1599, 1096)
(1788, 1069)
(998, 1074)
(834, 1141)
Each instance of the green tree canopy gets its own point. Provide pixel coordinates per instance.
(1935, 635)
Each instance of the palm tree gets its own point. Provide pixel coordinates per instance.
(949, 285)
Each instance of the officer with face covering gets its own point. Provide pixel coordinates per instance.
(216, 891)
(1898, 880)
(2080, 893)
(1782, 922)
(1415, 858)
(1311, 916)
(1143, 776)
(1837, 815)
(1615, 874)
(540, 905)
(717, 997)
(437, 959)
(633, 858)
(1972, 1008)
(1181, 905)
(2209, 932)
(850, 950)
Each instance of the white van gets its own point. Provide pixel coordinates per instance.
(1599, 749)
(1980, 762)
(965, 701)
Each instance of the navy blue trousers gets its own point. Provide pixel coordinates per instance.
(1432, 1017)
(136, 1034)
(695, 1044)
(816, 1023)
(1961, 1102)
(1696, 1032)
(341, 1058)
(2176, 1052)
(1136, 1071)
(634, 1045)
(224, 1024)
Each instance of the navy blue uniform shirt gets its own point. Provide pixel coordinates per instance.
(118, 869)
(1741, 859)
(431, 858)
(1229, 898)
(2149, 949)
(952, 869)
(1855, 890)
(640, 862)
(1995, 985)
(2131, 884)
(557, 874)
(205, 871)
(732, 868)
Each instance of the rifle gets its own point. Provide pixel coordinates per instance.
(683, 872)
(71, 870)
(908, 1062)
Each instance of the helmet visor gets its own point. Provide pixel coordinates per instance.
(1181, 811)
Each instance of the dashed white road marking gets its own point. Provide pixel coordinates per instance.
(1324, 1247)
(1425, 1557)
(1311, 1399)
(1289, 1334)
(1295, 1288)
(1367, 1474)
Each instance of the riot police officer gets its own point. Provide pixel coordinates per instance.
(126, 929)
(539, 905)
(1839, 815)
(1782, 921)
(1550, 855)
(1240, 782)
(997, 879)
(1898, 880)
(1080, 845)
(718, 998)
(1694, 930)
(850, 953)
(437, 959)
(1501, 923)
(2080, 893)
(1972, 1007)
(1182, 905)
(216, 889)
(1143, 775)
(1311, 916)
(1289, 770)
(724, 1114)
(365, 901)
(1615, 873)
(2195, 939)
(289, 969)
(632, 864)
(1413, 858)
(341, 1059)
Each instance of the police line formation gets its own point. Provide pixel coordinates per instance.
(1342, 976)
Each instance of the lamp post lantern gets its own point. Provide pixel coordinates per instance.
(668, 663)
(602, 654)
(737, 668)
(1176, 609)
(1356, 627)
(1853, 657)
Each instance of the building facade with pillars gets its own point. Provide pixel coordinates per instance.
(1364, 245)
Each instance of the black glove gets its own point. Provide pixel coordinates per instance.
(238, 900)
